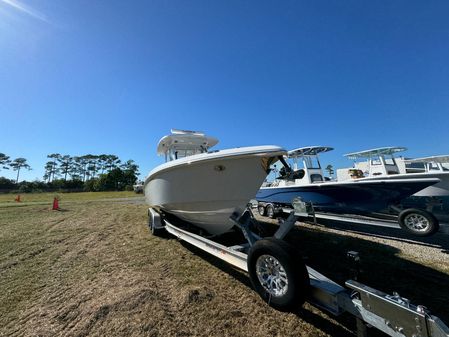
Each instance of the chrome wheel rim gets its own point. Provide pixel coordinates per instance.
(272, 275)
(417, 222)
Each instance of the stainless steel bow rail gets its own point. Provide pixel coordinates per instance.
(392, 314)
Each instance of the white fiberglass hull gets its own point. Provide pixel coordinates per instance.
(206, 189)
(440, 189)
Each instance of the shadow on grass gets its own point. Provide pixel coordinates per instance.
(381, 268)
(304, 314)
(438, 240)
(328, 326)
(220, 264)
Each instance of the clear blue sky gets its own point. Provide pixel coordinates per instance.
(79, 77)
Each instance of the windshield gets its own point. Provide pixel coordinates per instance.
(378, 161)
(181, 153)
(434, 167)
(389, 161)
(312, 162)
(417, 165)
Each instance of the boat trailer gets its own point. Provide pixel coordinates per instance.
(391, 314)
(417, 222)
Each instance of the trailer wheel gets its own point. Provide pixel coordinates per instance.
(418, 222)
(261, 210)
(270, 211)
(278, 274)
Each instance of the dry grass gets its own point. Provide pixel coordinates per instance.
(93, 269)
(8, 199)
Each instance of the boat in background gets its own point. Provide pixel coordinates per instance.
(206, 188)
(381, 163)
(427, 164)
(350, 196)
(138, 187)
(361, 196)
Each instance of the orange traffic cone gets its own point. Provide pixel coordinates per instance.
(55, 204)
(17, 199)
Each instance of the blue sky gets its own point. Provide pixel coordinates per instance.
(79, 77)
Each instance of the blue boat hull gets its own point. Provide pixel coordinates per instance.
(353, 197)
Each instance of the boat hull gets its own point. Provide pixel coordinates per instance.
(440, 189)
(348, 197)
(207, 191)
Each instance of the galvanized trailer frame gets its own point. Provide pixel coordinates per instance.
(309, 214)
(375, 219)
(392, 314)
(366, 220)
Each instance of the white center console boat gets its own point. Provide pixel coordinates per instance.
(381, 163)
(206, 188)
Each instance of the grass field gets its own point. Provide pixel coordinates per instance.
(92, 268)
(42, 198)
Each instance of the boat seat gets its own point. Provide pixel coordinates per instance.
(314, 178)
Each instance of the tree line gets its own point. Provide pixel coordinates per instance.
(84, 167)
(16, 164)
(65, 172)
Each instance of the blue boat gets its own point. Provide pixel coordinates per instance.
(360, 197)
(357, 196)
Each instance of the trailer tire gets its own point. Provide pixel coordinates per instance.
(261, 210)
(270, 211)
(418, 222)
(278, 274)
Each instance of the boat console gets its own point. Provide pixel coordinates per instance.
(183, 143)
(311, 171)
(378, 162)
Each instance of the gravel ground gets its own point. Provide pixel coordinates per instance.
(433, 250)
